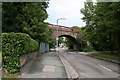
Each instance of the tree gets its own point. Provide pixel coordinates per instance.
(76, 27)
(52, 43)
(88, 12)
(26, 18)
(102, 24)
(61, 40)
(69, 43)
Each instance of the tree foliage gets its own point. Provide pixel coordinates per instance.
(76, 27)
(102, 28)
(26, 17)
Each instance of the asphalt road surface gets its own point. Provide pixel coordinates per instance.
(88, 67)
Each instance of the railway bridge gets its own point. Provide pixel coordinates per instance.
(68, 32)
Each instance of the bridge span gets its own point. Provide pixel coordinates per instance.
(68, 32)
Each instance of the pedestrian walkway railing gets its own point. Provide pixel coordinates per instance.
(44, 47)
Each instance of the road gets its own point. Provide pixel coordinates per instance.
(88, 67)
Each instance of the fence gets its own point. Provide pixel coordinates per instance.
(44, 47)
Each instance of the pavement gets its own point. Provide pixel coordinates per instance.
(64, 65)
(46, 65)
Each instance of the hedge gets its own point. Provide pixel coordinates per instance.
(13, 46)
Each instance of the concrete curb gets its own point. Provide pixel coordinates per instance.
(101, 58)
(71, 73)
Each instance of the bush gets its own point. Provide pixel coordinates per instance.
(13, 46)
(88, 48)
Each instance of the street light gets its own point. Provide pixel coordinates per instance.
(57, 30)
(60, 19)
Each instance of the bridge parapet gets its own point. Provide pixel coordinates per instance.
(64, 31)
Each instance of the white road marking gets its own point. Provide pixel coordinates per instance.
(104, 67)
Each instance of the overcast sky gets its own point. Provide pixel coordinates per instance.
(69, 9)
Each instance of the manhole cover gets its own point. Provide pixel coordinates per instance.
(49, 69)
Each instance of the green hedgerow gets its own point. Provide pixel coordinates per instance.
(13, 46)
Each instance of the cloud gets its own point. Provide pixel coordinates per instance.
(68, 9)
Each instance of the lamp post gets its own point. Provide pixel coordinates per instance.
(57, 30)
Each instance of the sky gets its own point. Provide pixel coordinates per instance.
(68, 9)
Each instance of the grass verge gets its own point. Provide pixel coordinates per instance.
(113, 56)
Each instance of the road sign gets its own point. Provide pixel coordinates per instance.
(56, 42)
